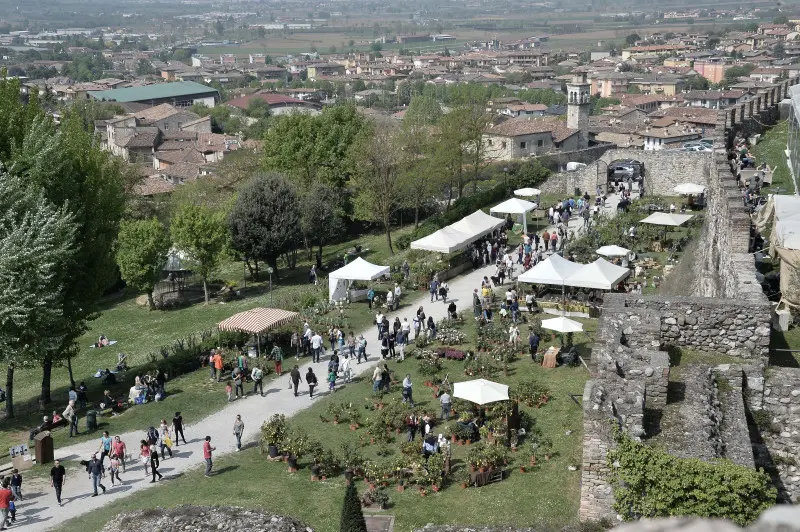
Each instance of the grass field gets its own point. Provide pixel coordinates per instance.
(772, 150)
(140, 332)
(547, 496)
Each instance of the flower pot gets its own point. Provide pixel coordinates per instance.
(533, 460)
(353, 426)
(435, 488)
(464, 485)
(324, 477)
(401, 488)
(372, 485)
(336, 420)
(292, 462)
(315, 470)
(273, 451)
(460, 443)
(314, 478)
(522, 469)
(469, 441)
(284, 458)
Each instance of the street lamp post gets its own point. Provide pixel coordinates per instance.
(269, 271)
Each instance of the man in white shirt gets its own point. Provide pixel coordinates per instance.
(378, 322)
(397, 293)
(316, 347)
(390, 300)
(344, 366)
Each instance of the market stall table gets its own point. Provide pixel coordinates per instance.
(551, 357)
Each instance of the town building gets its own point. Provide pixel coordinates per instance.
(179, 94)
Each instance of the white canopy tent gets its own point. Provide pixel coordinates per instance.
(527, 192)
(600, 275)
(445, 240)
(562, 325)
(689, 189)
(358, 270)
(667, 219)
(554, 270)
(786, 234)
(515, 206)
(481, 391)
(460, 234)
(612, 251)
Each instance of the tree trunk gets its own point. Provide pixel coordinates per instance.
(150, 302)
(10, 391)
(255, 262)
(69, 369)
(388, 236)
(47, 371)
(416, 216)
(205, 289)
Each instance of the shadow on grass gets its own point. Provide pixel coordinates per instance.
(778, 351)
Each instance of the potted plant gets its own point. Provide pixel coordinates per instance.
(435, 468)
(464, 478)
(378, 497)
(546, 447)
(273, 435)
(350, 460)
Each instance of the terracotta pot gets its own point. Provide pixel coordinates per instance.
(314, 478)
(401, 488)
(435, 488)
(372, 485)
(460, 443)
(464, 485)
(353, 426)
(324, 477)
(469, 441)
(522, 469)
(292, 470)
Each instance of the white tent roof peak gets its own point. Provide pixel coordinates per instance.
(514, 206)
(666, 218)
(612, 251)
(358, 270)
(527, 192)
(600, 275)
(460, 234)
(554, 270)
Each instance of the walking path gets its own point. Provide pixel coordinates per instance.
(39, 511)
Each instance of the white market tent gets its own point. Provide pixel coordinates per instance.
(562, 325)
(527, 192)
(600, 275)
(779, 207)
(689, 189)
(667, 219)
(515, 206)
(460, 234)
(554, 270)
(481, 391)
(358, 270)
(612, 251)
(786, 234)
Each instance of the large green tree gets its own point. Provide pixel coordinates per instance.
(265, 221)
(322, 218)
(200, 232)
(68, 164)
(142, 250)
(314, 148)
(377, 180)
(423, 110)
(37, 240)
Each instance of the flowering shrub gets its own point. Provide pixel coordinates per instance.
(451, 354)
(450, 336)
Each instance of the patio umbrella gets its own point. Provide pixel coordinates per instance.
(667, 220)
(562, 325)
(481, 391)
(527, 192)
(612, 251)
(689, 189)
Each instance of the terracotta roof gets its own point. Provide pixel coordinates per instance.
(189, 155)
(153, 184)
(184, 171)
(140, 137)
(713, 95)
(692, 115)
(530, 107)
(270, 97)
(528, 126)
(160, 112)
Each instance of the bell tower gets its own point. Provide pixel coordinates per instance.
(578, 102)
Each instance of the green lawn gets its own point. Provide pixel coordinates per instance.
(547, 496)
(140, 333)
(772, 150)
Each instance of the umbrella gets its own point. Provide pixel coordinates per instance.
(667, 220)
(481, 391)
(612, 251)
(689, 188)
(527, 192)
(562, 325)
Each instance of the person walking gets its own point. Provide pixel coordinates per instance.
(16, 485)
(295, 378)
(386, 378)
(407, 391)
(331, 379)
(212, 366)
(370, 297)
(434, 286)
(219, 364)
(207, 450)
(238, 430)
(113, 466)
(347, 372)
(376, 379)
(105, 446)
(311, 380)
(144, 455)
(83, 391)
(164, 438)
(533, 343)
(362, 348)
(238, 383)
(316, 347)
(411, 424)
(72, 417)
(402, 338)
(177, 428)
(96, 473)
(118, 448)
(445, 400)
(258, 380)
(154, 464)
(6, 500)
(58, 476)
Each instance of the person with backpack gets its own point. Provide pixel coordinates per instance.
(152, 439)
(258, 380)
(311, 380)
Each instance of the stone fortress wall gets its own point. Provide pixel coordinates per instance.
(726, 314)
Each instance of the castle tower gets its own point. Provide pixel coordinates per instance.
(578, 102)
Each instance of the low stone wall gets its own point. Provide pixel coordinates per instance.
(782, 402)
(705, 324)
(732, 416)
